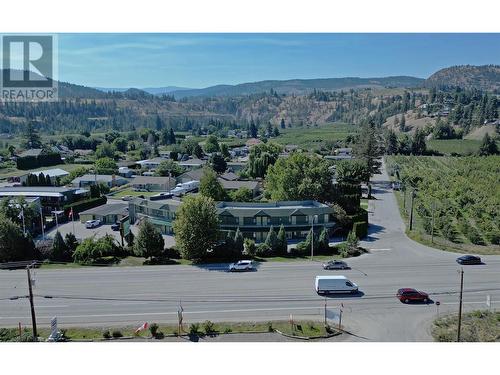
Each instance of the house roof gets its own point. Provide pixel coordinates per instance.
(168, 204)
(108, 209)
(234, 185)
(31, 152)
(35, 191)
(229, 176)
(193, 162)
(280, 208)
(195, 174)
(99, 177)
(55, 172)
(143, 180)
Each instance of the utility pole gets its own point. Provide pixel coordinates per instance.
(340, 315)
(460, 304)
(33, 317)
(432, 229)
(325, 311)
(314, 218)
(411, 209)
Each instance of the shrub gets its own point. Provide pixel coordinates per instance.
(117, 334)
(270, 327)
(159, 336)
(153, 328)
(227, 330)
(263, 250)
(106, 334)
(360, 229)
(194, 329)
(208, 327)
(249, 248)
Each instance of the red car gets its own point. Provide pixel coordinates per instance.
(407, 295)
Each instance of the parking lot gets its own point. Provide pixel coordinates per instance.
(81, 232)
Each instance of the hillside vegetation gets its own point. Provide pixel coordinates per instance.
(485, 77)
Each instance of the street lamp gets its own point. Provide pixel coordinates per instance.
(315, 218)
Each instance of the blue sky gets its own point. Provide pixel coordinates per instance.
(201, 60)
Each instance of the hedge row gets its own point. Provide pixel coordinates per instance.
(85, 205)
(360, 228)
(42, 160)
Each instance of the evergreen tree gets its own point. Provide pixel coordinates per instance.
(272, 240)
(238, 241)
(59, 249)
(367, 148)
(323, 241)
(282, 123)
(488, 146)
(391, 147)
(282, 242)
(418, 145)
(149, 242)
(32, 138)
(217, 163)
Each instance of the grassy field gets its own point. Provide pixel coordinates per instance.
(477, 326)
(457, 198)
(458, 146)
(315, 137)
(305, 328)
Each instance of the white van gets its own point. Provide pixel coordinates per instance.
(334, 284)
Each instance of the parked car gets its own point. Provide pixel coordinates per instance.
(334, 284)
(335, 265)
(115, 226)
(396, 185)
(407, 295)
(469, 259)
(89, 224)
(241, 265)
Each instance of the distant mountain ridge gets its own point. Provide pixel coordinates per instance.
(301, 86)
(483, 77)
(149, 90)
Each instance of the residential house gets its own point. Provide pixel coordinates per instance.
(92, 179)
(191, 164)
(194, 175)
(231, 185)
(125, 172)
(152, 183)
(51, 198)
(150, 163)
(106, 213)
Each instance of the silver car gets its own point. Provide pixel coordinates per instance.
(335, 265)
(242, 265)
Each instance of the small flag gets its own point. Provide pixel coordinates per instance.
(142, 328)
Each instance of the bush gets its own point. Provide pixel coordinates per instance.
(194, 329)
(249, 248)
(159, 336)
(208, 327)
(360, 229)
(117, 334)
(227, 330)
(106, 334)
(270, 327)
(263, 250)
(153, 328)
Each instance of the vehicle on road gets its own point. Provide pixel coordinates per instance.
(335, 265)
(89, 224)
(115, 226)
(469, 259)
(127, 198)
(396, 185)
(334, 284)
(408, 295)
(241, 265)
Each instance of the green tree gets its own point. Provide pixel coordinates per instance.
(32, 138)
(243, 194)
(418, 145)
(261, 157)
(391, 147)
(352, 171)
(120, 144)
(211, 187)
(105, 166)
(217, 162)
(149, 242)
(299, 177)
(238, 241)
(92, 250)
(249, 248)
(14, 246)
(282, 123)
(367, 148)
(323, 241)
(282, 243)
(169, 166)
(196, 227)
(105, 150)
(71, 243)
(59, 249)
(211, 144)
(272, 240)
(224, 149)
(488, 146)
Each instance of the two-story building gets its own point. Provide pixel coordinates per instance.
(160, 213)
(255, 219)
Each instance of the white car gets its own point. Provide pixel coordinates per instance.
(335, 265)
(241, 265)
(89, 224)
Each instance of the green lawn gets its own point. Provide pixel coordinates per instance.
(315, 137)
(459, 146)
(301, 328)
